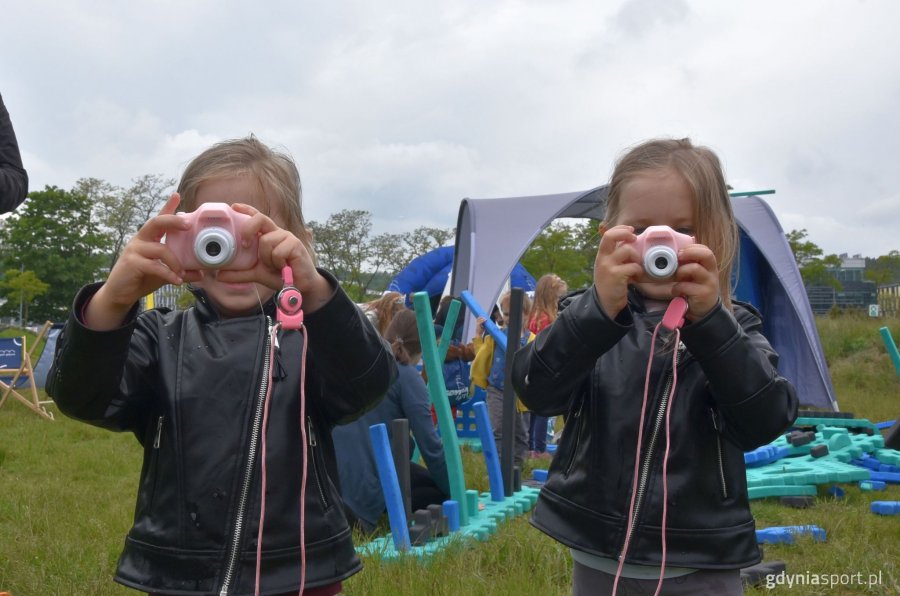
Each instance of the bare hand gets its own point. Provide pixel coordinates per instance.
(278, 247)
(616, 266)
(697, 279)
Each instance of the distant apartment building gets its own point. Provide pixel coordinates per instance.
(854, 292)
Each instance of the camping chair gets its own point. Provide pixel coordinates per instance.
(15, 362)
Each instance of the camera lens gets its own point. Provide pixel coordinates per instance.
(214, 247)
(660, 262)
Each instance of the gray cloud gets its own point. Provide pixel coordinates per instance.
(405, 108)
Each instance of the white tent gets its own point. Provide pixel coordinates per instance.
(492, 234)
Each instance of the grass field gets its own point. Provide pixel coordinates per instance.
(67, 496)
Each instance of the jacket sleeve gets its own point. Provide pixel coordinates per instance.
(13, 177)
(104, 378)
(754, 402)
(547, 371)
(417, 409)
(354, 362)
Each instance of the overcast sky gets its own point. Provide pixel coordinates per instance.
(403, 108)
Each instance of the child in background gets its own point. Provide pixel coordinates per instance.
(488, 371)
(381, 312)
(407, 398)
(603, 500)
(549, 290)
(191, 384)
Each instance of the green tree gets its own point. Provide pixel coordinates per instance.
(121, 212)
(54, 235)
(345, 246)
(884, 269)
(21, 287)
(566, 249)
(814, 267)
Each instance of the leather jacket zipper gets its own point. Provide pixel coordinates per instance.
(578, 424)
(644, 475)
(719, 454)
(313, 443)
(159, 427)
(237, 532)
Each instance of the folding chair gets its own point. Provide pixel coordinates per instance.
(15, 362)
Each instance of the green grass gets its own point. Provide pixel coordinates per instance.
(67, 496)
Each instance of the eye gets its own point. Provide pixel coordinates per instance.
(638, 230)
(687, 231)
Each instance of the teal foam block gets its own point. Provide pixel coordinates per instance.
(482, 523)
(761, 492)
(801, 471)
(846, 422)
(890, 457)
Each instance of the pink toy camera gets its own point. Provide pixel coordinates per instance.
(214, 239)
(658, 247)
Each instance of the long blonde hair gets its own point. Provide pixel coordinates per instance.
(546, 297)
(701, 169)
(274, 172)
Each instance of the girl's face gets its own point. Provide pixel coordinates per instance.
(657, 198)
(235, 299)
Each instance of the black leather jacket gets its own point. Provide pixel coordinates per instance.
(188, 385)
(729, 398)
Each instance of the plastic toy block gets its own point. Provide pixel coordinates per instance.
(765, 455)
(819, 451)
(482, 524)
(891, 477)
(837, 492)
(819, 420)
(539, 475)
(875, 463)
(787, 534)
(798, 438)
(886, 507)
(451, 510)
(761, 492)
(804, 502)
(551, 448)
(757, 574)
(888, 456)
(870, 485)
(823, 414)
(885, 424)
(804, 470)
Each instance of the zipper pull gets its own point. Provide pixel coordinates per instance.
(715, 421)
(311, 432)
(159, 426)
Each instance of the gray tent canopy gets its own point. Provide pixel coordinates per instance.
(489, 242)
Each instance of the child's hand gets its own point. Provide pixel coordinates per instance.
(697, 279)
(144, 266)
(279, 247)
(616, 266)
(479, 326)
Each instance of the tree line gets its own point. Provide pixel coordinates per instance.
(58, 240)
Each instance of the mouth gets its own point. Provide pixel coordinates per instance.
(238, 287)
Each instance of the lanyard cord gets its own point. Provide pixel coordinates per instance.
(673, 319)
(303, 477)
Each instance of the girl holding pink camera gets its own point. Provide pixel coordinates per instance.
(220, 395)
(665, 381)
